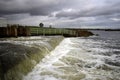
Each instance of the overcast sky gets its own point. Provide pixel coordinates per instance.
(62, 13)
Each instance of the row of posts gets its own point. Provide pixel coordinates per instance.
(14, 31)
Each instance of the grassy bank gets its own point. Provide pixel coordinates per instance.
(82, 32)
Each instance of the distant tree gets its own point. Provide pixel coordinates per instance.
(41, 25)
(50, 26)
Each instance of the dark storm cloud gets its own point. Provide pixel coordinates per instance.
(72, 12)
(110, 8)
(34, 7)
(46, 7)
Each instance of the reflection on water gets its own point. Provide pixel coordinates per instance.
(93, 58)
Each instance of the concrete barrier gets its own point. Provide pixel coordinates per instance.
(14, 31)
(23, 31)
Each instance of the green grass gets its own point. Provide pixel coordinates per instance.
(50, 31)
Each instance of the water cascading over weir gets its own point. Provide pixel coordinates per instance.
(18, 56)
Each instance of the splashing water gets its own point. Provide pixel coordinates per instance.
(90, 58)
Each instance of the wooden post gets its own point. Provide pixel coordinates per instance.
(77, 33)
(27, 31)
(13, 31)
(71, 32)
(74, 33)
(20, 30)
(7, 32)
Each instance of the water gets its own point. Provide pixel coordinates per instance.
(92, 58)
(19, 45)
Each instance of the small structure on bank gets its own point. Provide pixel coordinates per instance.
(12, 30)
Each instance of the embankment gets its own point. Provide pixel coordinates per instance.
(18, 56)
(82, 33)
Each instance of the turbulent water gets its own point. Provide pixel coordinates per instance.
(92, 58)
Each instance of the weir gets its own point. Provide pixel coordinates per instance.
(18, 56)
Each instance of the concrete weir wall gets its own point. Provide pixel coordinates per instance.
(14, 31)
(18, 56)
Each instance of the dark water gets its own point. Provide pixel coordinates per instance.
(110, 40)
(108, 34)
(92, 58)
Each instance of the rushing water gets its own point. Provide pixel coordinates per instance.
(92, 58)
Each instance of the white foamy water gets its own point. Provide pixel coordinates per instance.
(30, 41)
(79, 59)
(48, 61)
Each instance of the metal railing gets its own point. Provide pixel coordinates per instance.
(51, 31)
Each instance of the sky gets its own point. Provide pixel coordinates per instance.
(62, 13)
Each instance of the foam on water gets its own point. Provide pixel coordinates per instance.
(46, 63)
(29, 41)
(78, 59)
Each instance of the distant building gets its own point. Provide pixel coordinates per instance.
(3, 22)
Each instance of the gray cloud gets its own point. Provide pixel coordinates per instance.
(45, 7)
(34, 7)
(62, 12)
(107, 9)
